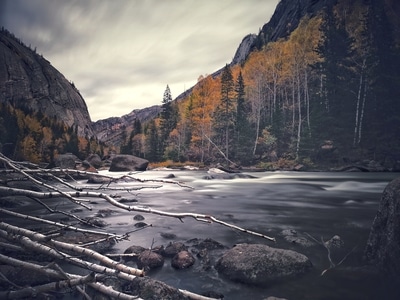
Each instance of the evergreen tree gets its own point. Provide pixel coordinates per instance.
(243, 136)
(153, 146)
(168, 118)
(382, 122)
(337, 96)
(224, 116)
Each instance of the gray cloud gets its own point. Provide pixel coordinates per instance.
(122, 54)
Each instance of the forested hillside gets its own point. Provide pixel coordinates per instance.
(325, 94)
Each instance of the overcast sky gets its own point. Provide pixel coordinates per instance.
(121, 54)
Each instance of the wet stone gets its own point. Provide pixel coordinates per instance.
(149, 260)
(138, 218)
(174, 248)
(140, 224)
(182, 260)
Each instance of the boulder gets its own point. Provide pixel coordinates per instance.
(94, 160)
(66, 161)
(86, 166)
(125, 162)
(182, 260)
(258, 264)
(149, 260)
(173, 249)
(150, 289)
(383, 246)
(135, 251)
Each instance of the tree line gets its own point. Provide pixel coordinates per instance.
(332, 81)
(32, 136)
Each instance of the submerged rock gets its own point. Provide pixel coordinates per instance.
(258, 264)
(292, 236)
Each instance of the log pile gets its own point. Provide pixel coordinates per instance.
(36, 246)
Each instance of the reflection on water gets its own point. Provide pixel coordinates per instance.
(317, 204)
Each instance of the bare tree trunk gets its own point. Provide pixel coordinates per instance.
(299, 116)
(362, 112)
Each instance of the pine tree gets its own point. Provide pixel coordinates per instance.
(168, 118)
(337, 96)
(224, 116)
(152, 143)
(243, 135)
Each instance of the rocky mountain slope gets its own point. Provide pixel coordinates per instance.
(30, 82)
(111, 130)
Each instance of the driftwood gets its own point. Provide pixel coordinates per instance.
(17, 239)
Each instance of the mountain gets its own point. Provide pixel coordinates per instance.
(42, 114)
(317, 86)
(28, 81)
(112, 130)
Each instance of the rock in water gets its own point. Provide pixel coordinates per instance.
(260, 264)
(124, 163)
(383, 246)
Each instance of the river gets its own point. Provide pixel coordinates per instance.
(319, 204)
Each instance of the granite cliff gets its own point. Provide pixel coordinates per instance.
(28, 81)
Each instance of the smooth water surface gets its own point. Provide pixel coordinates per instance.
(319, 205)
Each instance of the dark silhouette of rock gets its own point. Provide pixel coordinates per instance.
(258, 264)
(125, 162)
(383, 246)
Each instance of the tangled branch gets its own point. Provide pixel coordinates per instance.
(18, 239)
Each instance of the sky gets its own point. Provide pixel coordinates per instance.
(121, 54)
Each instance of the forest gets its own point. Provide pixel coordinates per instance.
(32, 136)
(325, 95)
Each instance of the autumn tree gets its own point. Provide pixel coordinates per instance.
(203, 100)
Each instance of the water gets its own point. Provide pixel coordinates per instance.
(320, 205)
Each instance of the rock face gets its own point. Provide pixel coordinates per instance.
(109, 130)
(29, 81)
(287, 16)
(260, 264)
(124, 163)
(244, 49)
(383, 246)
